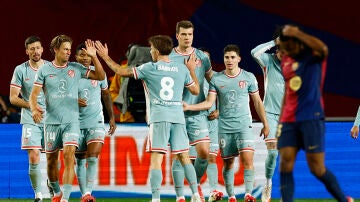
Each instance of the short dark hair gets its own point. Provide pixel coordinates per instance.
(31, 39)
(80, 47)
(162, 43)
(57, 41)
(232, 47)
(186, 24)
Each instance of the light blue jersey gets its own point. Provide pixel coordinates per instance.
(273, 78)
(203, 66)
(60, 85)
(357, 120)
(162, 83)
(233, 96)
(92, 115)
(23, 79)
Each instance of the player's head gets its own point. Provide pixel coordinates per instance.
(276, 38)
(60, 47)
(231, 56)
(185, 33)
(33, 48)
(160, 45)
(81, 56)
(290, 46)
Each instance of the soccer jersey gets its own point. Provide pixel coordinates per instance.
(92, 115)
(164, 85)
(304, 77)
(60, 85)
(233, 95)
(273, 78)
(203, 66)
(23, 79)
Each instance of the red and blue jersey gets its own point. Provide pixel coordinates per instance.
(304, 78)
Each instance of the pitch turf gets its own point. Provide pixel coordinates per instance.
(162, 200)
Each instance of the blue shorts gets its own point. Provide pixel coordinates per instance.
(306, 135)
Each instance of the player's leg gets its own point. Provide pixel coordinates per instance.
(314, 138)
(178, 176)
(31, 141)
(246, 159)
(80, 155)
(272, 153)
(156, 175)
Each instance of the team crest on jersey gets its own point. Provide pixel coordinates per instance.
(242, 84)
(295, 83)
(71, 73)
(94, 83)
(50, 145)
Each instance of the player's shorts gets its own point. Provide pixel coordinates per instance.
(197, 129)
(273, 121)
(231, 144)
(214, 140)
(59, 135)
(90, 135)
(32, 137)
(162, 134)
(307, 135)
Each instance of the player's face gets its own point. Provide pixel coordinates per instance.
(290, 48)
(64, 51)
(231, 60)
(34, 51)
(154, 53)
(83, 58)
(185, 37)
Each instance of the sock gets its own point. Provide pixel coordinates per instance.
(249, 180)
(91, 173)
(178, 176)
(212, 174)
(229, 181)
(81, 174)
(155, 181)
(287, 186)
(331, 184)
(270, 163)
(190, 176)
(56, 187)
(35, 177)
(67, 191)
(200, 168)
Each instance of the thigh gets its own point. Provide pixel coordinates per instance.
(273, 121)
(214, 137)
(158, 137)
(228, 146)
(288, 135)
(52, 138)
(178, 138)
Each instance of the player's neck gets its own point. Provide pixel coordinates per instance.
(232, 72)
(184, 50)
(164, 58)
(60, 63)
(35, 64)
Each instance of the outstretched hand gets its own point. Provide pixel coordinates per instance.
(101, 49)
(90, 48)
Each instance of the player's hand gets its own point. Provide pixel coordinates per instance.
(101, 49)
(185, 106)
(213, 115)
(112, 125)
(82, 102)
(37, 115)
(354, 132)
(265, 132)
(90, 48)
(191, 62)
(290, 30)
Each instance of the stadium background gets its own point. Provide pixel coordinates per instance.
(246, 23)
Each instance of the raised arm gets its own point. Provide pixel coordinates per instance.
(319, 48)
(260, 110)
(103, 52)
(99, 73)
(260, 50)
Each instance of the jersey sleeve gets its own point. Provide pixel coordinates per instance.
(140, 71)
(253, 84)
(212, 87)
(104, 84)
(16, 80)
(188, 80)
(39, 77)
(259, 54)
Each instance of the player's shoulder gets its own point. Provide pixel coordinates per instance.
(247, 73)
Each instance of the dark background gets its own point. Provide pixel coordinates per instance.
(246, 23)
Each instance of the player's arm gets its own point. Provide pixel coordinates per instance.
(318, 47)
(191, 65)
(103, 52)
(205, 105)
(35, 109)
(355, 129)
(98, 73)
(259, 50)
(105, 95)
(15, 98)
(260, 110)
